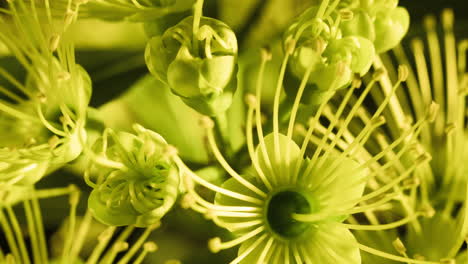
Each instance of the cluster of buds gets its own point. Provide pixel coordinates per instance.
(200, 67)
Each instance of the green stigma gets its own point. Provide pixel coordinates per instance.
(280, 208)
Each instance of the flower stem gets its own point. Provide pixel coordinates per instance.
(197, 14)
(223, 131)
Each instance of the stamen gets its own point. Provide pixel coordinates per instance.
(15, 252)
(392, 257)
(346, 14)
(437, 71)
(194, 195)
(263, 255)
(384, 226)
(290, 46)
(148, 247)
(251, 102)
(81, 235)
(421, 67)
(215, 244)
(31, 231)
(215, 188)
(228, 168)
(349, 117)
(451, 65)
(266, 56)
(103, 240)
(73, 200)
(236, 226)
(118, 247)
(54, 42)
(136, 245)
(249, 249)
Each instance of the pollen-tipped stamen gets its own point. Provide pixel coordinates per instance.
(216, 245)
(251, 103)
(228, 168)
(213, 187)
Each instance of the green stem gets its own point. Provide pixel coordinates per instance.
(222, 128)
(197, 14)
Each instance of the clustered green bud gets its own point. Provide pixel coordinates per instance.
(201, 69)
(319, 48)
(140, 184)
(381, 21)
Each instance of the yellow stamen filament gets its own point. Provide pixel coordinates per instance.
(265, 251)
(216, 245)
(228, 168)
(215, 188)
(214, 207)
(250, 145)
(312, 125)
(136, 245)
(277, 153)
(74, 199)
(249, 249)
(81, 235)
(148, 247)
(393, 257)
(266, 56)
(384, 226)
(103, 240)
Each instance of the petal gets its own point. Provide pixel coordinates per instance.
(337, 181)
(224, 200)
(331, 243)
(216, 73)
(124, 215)
(254, 254)
(285, 145)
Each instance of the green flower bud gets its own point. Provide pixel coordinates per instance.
(137, 182)
(358, 52)
(390, 28)
(320, 49)
(202, 74)
(360, 25)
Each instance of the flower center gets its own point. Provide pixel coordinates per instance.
(279, 210)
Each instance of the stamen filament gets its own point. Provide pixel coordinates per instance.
(249, 249)
(384, 226)
(392, 257)
(228, 168)
(266, 56)
(216, 245)
(251, 148)
(215, 188)
(130, 253)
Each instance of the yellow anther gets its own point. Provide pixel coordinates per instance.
(54, 42)
(346, 14)
(266, 54)
(447, 19)
(378, 74)
(206, 122)
(150, 246)
(399, 246)
(250, 100)
(403, 73)
(433, 110)
(290, 45)
(215, 244)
